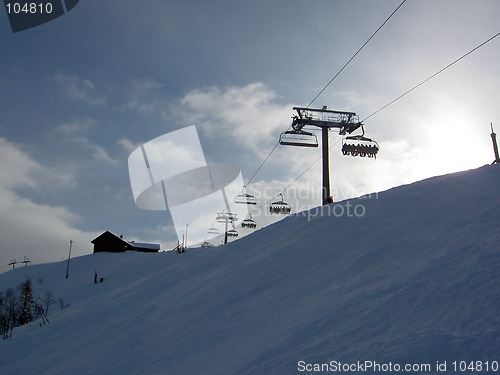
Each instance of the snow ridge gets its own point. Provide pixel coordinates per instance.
(415, 280)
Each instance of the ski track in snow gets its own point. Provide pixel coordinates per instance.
(416, 280)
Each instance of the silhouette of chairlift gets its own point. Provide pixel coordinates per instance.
(226, 217)
(245, 198)
(359, 145)
(232, 233)
(249, 223)
(213, 230)
(298, 138)
(280, 207)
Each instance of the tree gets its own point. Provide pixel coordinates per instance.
(9, 314)
(42, 310)
(2, 313)
(26, 303)
(17, 309)
(48, 300)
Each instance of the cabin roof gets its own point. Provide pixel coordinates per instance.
(139, 245)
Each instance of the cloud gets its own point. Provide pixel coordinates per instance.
(249, 115)
(97, 152)
(76, 127)
(128, 145)
(76, 132)
(252, 118)
(20, 170)
(27, 228)
(79, 89)
(17, 167)
(141, 98)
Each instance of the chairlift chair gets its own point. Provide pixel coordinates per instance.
(245, 198)
(298, 138)
(280, 207)
(232, 233)
(359, 145)
(226, 217)
(249, 223)
(213, 230)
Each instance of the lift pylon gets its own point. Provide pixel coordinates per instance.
(227, 218)
(495, 146)
(346, 122)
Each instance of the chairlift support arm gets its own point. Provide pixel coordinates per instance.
(347, 122)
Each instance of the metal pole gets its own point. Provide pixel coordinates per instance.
(326, 166)
(69, 256)
(225, 234)
(495, 146)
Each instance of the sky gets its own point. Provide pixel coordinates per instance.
(80, 93)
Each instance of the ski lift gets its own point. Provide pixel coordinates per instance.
(226, 217)
(213, 230)
(298, 138)
(232, 233)
(359, 145)
(280, 207)
(245, 198)
(249, 223)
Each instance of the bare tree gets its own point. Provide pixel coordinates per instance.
(9, 313)
(42, 310)
(62, 304)
(48, 300)
(2, 314)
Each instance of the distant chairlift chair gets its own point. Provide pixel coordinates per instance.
(249, 223)
(245, 198)
(280, 207)
(213, 230)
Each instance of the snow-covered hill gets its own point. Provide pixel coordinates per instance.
(413, 281)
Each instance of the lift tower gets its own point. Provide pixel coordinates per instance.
(495, 146)
(346, 122)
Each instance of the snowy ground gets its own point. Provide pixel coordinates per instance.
(413, 281)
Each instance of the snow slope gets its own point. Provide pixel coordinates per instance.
(415, 280)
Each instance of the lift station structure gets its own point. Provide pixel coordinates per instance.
(346, 122)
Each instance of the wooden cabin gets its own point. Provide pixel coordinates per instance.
(111, 243)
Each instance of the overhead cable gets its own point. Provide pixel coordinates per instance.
(432, 76)
(399, 97)
(328, 84)
(353, 56)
